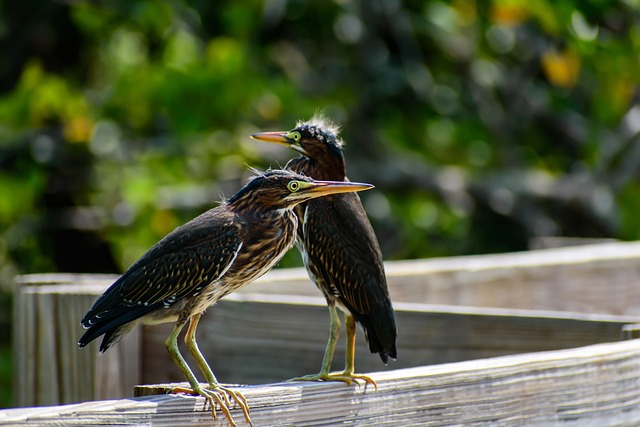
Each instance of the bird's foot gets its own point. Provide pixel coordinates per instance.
(345, 377)
(222, 396)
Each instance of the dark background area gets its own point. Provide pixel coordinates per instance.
(481, 123)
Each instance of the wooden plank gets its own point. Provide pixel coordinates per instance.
(265, 338)
(598, 278)
(590, 279)
(594, 386)
(631, 331)
(50, 369)
(546, 242)
(21, 346)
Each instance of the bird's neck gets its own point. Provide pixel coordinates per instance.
(330, 168)
(267, 237)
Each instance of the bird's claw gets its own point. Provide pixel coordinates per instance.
(365, 378)
(216, 394)
(345, 377)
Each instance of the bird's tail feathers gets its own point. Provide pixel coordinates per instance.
(380, 332)
(113, 327)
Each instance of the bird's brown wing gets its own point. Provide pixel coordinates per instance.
(341, 242)
(178, 266)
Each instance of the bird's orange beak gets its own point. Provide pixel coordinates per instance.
(323, 188)
(277, 137)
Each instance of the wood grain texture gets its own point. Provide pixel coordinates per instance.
(600, 278)
(594, 386)
(49, 368)
(261, 334)
(590, 279)
(256, 339)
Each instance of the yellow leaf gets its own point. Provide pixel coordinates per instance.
(78, 129)
(509, 14)
(561, 68)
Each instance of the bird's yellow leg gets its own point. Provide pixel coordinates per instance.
(351, 354)
(348, 375)
(192, 345)
(196, 389)
(334, 334)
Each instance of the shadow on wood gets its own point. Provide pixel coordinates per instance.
(253, 339)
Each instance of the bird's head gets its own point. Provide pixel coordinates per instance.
(283, 189)
(316, 138)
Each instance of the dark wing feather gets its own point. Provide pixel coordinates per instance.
(345, 257)
(178, 266)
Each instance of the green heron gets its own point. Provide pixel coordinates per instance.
(339, 249)
(202, 261)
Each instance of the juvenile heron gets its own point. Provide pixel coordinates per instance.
(339, 249)
(202, 261)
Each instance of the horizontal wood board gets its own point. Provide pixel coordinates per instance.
(594, 386)
(253, 323)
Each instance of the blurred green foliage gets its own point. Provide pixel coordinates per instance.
(482, 123)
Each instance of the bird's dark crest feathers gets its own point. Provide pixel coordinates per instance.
(255, 182)
(321, 128)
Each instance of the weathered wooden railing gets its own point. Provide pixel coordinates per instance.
(595, 386)
(448, 310)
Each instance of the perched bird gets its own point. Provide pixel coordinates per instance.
(339, 249)
(202, 261)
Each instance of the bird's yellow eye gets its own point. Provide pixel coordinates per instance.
(293, 186)
(295, 136)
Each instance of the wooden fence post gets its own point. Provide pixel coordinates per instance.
(48, 366)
